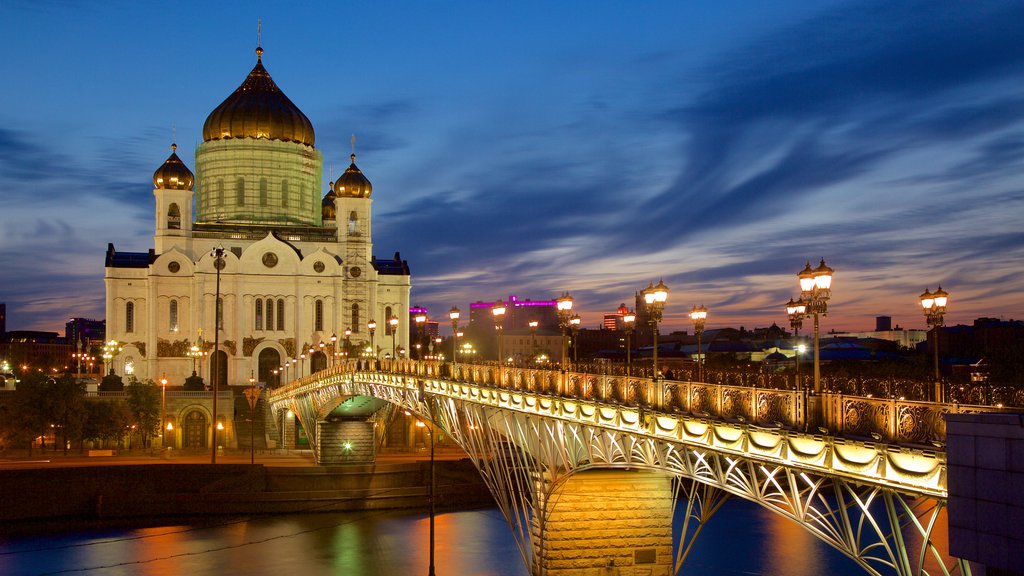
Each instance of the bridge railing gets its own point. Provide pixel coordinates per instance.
(747, 401)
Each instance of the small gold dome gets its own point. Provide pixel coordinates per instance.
(352, 183)
(258, 109)
(173, 174)
(327, 210)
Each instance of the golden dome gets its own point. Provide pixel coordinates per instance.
(173, 174)
(352, 183)
(327, 210)
(258, 109)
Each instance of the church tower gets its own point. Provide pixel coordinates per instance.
(352, 208)
(172, 186)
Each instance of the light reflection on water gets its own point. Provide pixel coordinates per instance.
(742, 538)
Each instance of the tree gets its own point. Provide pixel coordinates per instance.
(32, 408)
(66, 405)
(106, 420)
(144, 405)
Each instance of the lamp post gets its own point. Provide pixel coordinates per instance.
(564, 309)
(629, 321)
(252, 394)
(574, 324)
(348, 342)
(218, 265)
(533, 338)
(163, 409)
(372, 327)
(796, 310)
(420, 319)
(393, 323)
(498, 311)
(655, 298)
(453, 314)
(430, 497)
(699, 315)
(334, 348)
(815, 290)
(934, 305)
(110, 351)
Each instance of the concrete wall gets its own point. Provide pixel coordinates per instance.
(346, 442)
(608, 523)
(986, 491)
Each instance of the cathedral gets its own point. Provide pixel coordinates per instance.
(298, 283)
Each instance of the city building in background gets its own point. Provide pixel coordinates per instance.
(291, 268)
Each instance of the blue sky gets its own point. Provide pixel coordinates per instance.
(534, 147)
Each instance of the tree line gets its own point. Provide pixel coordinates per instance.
(55, 408)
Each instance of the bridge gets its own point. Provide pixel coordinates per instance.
(588, 469)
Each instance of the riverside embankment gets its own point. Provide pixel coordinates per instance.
(176, 489)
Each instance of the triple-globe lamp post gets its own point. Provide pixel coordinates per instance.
(655, 298)
(699, 315)
(797, 310)
(934, 305)
(815, 290)
(421, 320)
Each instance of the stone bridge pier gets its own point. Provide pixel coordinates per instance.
(605, 523)
(343, 441)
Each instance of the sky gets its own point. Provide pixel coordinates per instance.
(532, 148)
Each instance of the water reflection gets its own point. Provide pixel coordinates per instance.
(741, 539)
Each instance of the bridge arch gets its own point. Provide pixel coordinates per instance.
(856, 496)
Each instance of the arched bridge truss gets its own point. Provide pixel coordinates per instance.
(878, 503)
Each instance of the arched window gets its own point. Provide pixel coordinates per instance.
(270, 314)
(173, 316)
(220, 192)
(284, 193)
(240, 191)
(387, 318)
(353, 223)
(318, 316)
(129, 317)
(173, 217)
(263, 191)
(280, 314)
(259, 314)
(355, 318)
(220, 313)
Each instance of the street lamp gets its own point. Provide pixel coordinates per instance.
(430, 497)
(252, 394)
(533, 337)
(564, 309)
(815, 290)
(498, 311)
(372, 327)
(393, 322)
(110, 351)
(797, 310)
(453, 314)
(420, 319)
(163, 409)
(629, 321)
(934, 305)
(699, 315)
(574, 324)
(334, 348)
(348, 342)
(218, 265)
(655, 298)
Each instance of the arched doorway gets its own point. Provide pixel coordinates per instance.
(268, 361)
(317, 362)
(219, 368)
(194, 430)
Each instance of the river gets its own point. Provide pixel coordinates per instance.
(741, 539)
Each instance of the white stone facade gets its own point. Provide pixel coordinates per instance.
(292, 275)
